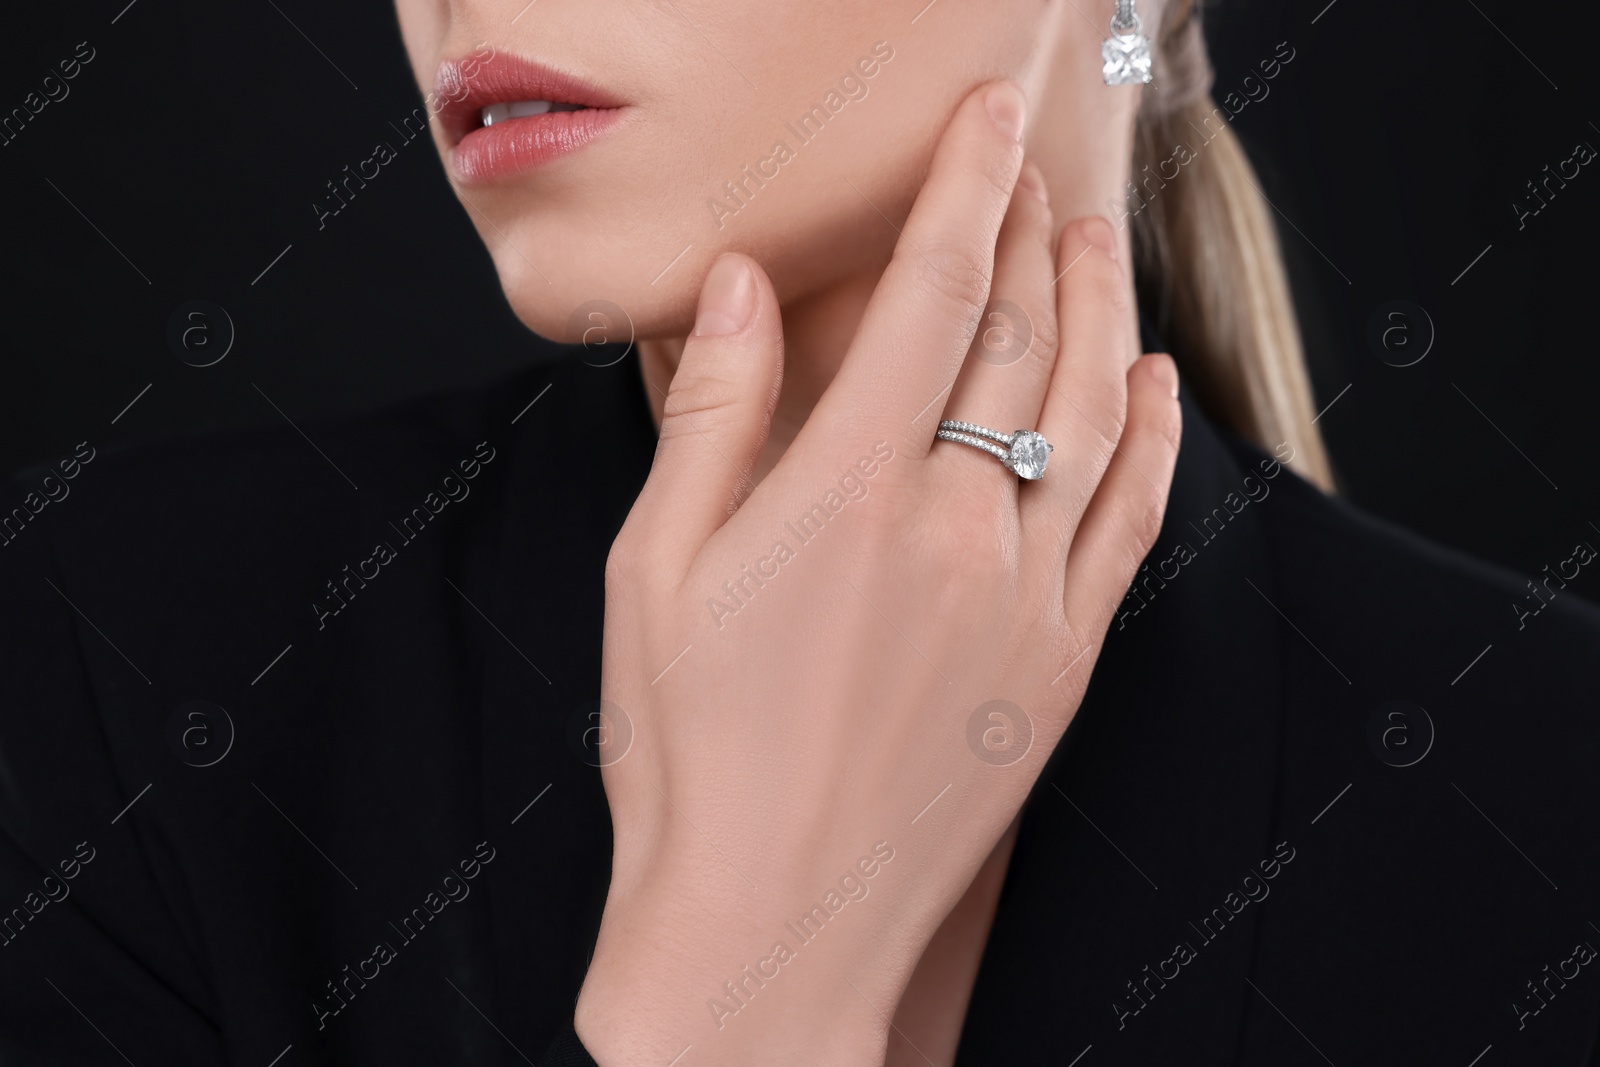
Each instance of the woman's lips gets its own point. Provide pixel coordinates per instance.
(518, 144)
(502, 115)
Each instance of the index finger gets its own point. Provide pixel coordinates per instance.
(923, 315)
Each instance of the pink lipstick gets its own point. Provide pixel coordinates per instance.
(504, 116)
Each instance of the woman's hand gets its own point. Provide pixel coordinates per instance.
(816, 769)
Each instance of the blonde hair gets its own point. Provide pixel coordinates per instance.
(1209, 268)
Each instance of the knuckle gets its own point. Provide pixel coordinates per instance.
(1090, 274)
(634, 560)
(622, 564)
(1046, 335)
(1170, 426)
(956, 274)
(1104, 407)
(1106, 283)
(1092, 230)
(1038, 221)
(1115, 412)
(1046, 223)
(1158, 419)
(999, 170)
(1140, 527)
(700, 403)
(1012, 332)
(1144, 525)
(981, 151)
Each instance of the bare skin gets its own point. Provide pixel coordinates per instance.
(811, 345)
(788, 740)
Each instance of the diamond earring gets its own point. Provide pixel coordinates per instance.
(1126, 53)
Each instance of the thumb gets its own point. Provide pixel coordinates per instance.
(718, 408)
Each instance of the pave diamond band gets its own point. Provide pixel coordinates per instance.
(1025, 453)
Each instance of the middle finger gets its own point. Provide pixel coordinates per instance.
(923, 314)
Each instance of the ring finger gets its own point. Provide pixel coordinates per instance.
(1003, 380)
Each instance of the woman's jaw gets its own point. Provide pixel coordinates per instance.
(796, 133)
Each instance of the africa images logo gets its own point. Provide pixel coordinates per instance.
(852, 886)
(852, 486)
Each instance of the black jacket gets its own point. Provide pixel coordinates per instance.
(290, 768)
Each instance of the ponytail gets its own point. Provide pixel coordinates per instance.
(1208, 267)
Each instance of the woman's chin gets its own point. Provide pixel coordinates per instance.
(575, 314)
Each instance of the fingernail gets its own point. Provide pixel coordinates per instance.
(1165, 372)
(728, 299)
(1031, 180)
(1007, 107)
(1098, 232)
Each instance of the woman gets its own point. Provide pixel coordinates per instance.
(842, 642)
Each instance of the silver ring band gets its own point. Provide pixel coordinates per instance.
(1025, 453)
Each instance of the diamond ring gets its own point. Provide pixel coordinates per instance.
(1025, 452)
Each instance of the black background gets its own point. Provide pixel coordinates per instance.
(189, 152)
